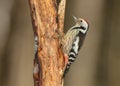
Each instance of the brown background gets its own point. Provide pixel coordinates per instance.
(98, 63)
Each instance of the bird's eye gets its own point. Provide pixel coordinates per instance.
(80, 20)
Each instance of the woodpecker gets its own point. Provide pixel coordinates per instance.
(73, 40)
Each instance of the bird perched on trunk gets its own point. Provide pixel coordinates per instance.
(73, 40)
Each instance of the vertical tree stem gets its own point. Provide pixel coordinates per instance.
(48, 20)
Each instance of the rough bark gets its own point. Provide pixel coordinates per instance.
(48, 20)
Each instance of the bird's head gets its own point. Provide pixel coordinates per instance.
(82, 24)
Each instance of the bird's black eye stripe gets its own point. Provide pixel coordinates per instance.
(76, 28)
(82, 27)
(79, 28)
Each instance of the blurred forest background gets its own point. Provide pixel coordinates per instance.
(99, 59)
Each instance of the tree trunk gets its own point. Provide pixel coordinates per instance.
(48, 20)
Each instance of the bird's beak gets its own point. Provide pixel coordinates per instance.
(75, 18)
